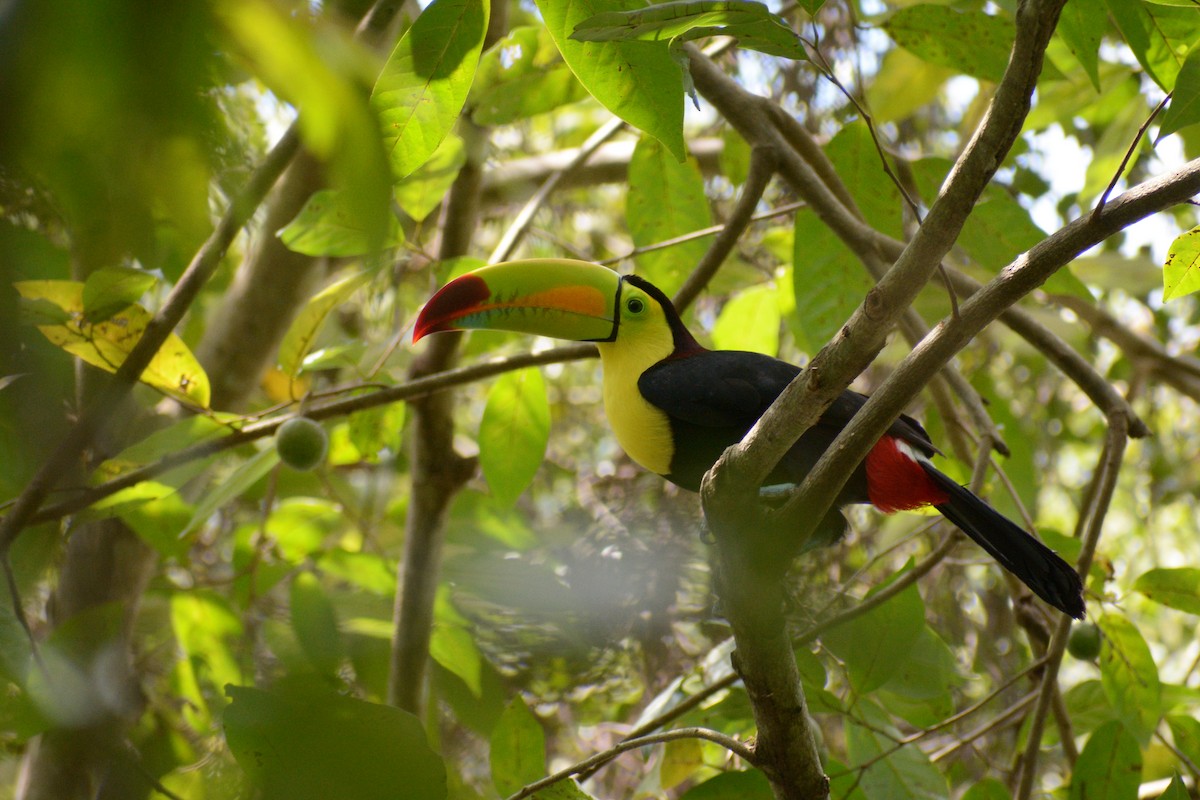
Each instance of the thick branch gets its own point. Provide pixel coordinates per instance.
(1015, 281)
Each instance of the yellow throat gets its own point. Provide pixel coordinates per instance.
(643, 431)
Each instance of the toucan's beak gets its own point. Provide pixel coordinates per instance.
(556, 297)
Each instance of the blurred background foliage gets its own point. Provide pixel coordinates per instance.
(574, 597)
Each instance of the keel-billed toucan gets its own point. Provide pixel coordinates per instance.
(676, 406)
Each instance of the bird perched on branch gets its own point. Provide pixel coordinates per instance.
(675, 406)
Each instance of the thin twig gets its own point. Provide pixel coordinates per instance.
(516, 231)
(1128, 155)
(590, 764)
(700, 233)
(1105, 480)
(758, 178)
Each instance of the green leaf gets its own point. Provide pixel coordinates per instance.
(1181, 273)
(665, 199)
(173, 370)
(239, 481)
(856, 159)
(454, 648)
(374, 429)
(1129, 676)
(513, 433)
(207, 630)
(109, 290)
(749, 321)
(315, 624)
(518, 749)
(177, 436)
(302, 333)
(1158, 35)
(1110, 766)
(829, 283)
(158, 519)
(754, 26)
(1082, 26)
(905, 773)
(327, 226)
(423, 191)
(1184, 109)
(876, 645)
(642, 85)
(926, 679)
(1176, 790)
(424, 84)
(1186, 733)
(747, 784)
(970, 42)
(312, 743)
(1177, 588)
(987, 789)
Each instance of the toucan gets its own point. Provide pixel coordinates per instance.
(675, 406)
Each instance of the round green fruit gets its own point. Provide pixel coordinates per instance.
(1084, 641)
(302, 443)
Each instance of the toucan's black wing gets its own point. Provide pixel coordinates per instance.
(731, 389)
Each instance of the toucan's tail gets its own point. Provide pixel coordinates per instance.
(1036, 565)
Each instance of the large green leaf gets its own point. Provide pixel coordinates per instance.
(857, 161)
(734, 785)
(640, 84)
(1181, 273)
(1178, 588)
(518, 749)
(315, 623)
(454, 648)
(905, 774)
(313, 743)
(425, 188)
(57, 308)
(1082, 26)
(513, 433)
(752, 23)
(750, 321)
(1184, 109)
(665, 199)
(1110, 766)
(829, 283)
(425, 82)
(875, 646)
(1129, 676)
(1158, 35)
(327, 226)
(970, 42)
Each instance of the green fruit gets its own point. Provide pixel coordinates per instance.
(1084, 641)
(302, 443)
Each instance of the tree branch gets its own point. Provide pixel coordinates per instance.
(1104, 484)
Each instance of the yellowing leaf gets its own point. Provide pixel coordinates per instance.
(1181, 273)
(304, 329)
(173, 370)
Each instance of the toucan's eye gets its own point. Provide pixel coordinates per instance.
(635, 305)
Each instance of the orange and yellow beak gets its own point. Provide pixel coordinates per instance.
(556, 297)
